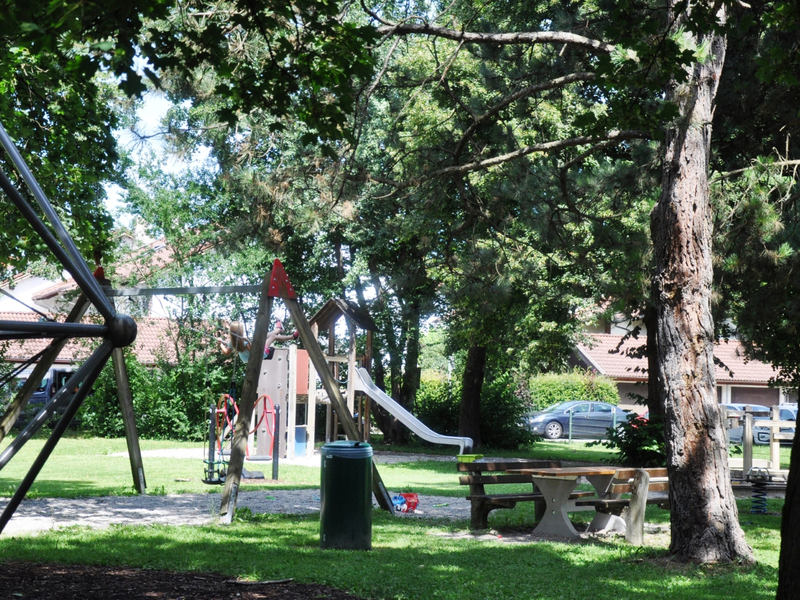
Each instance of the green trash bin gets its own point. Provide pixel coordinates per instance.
(345, 519)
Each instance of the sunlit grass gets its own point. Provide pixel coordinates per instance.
(410, 558)
(413, 560)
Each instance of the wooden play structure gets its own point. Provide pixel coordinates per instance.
(277, 285)
(289, 380)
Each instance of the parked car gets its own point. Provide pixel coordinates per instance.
(760, 412)
(51, 383)
(589, 419)
(43, 394)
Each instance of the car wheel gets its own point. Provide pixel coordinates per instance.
(553, 430)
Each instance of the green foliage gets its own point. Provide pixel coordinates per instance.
(437, 405)
(551, 388)
(170, 400)
(501, 417)
(502, 414)
(639, 442)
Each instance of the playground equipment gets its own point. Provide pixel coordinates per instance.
(406, 418)
(116, 331)
(222, 418)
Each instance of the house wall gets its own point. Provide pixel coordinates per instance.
(727, 394)
(750, 395)
(628, 392)
(24, 291)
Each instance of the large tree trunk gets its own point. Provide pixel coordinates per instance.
(469, 417)
(655, 405)
(704, 517)
(790, 531)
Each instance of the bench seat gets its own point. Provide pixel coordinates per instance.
(482, 473)
(640, 484)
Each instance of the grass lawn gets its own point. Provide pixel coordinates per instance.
(414, 560)
(411, 559)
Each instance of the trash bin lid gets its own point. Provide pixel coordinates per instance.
(347, 449)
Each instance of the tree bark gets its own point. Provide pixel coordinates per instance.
(789, 564)
(704, 516)
(469, 417)
(655, 405)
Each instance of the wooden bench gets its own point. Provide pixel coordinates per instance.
(481, 473)
(639, 483)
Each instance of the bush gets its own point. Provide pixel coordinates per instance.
(170, 401)
(640, 443)
(551, 388)
(502, 411)
(438, 405)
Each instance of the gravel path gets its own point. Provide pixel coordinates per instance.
(198, 509)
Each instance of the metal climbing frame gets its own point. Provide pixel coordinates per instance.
(116, 331)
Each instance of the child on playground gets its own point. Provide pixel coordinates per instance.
(238, 341)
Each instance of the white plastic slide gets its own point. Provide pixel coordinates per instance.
(406, 418)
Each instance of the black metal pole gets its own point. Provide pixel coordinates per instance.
(38, 225)
(80, 270)
(61, 398)
(51, 329)
(103, 353)
(276, 442)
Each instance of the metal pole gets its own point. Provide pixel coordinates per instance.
(103, 352)
(276, 442)
(61, 398)
(44, 364)
(54, 329)
(82, 273)
(569, 438)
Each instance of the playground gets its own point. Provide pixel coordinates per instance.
(263, 537)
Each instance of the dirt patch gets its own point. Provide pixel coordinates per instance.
(68, 582)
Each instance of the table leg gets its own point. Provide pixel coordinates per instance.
(555, 520)
(604, 521)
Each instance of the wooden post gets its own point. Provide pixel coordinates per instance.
(774, 442)
(335, 394)
(747, 443)
(634, 519)
(291, 403)
(312, 399)
(233, 477)
(351, 365)
(128, 420)
(333, 420)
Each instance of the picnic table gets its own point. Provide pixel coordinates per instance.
(556, 485)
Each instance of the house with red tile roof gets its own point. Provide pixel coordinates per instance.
(27, 297)
(155, 339)
(739, 379)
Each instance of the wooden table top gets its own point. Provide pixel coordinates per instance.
(565, 471)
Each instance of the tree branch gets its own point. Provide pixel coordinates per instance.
(533, 89)
(504, 39)
(600, 141)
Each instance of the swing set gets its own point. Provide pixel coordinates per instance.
(222, 420)
(116, 331)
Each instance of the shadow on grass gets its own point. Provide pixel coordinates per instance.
(410, 560)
